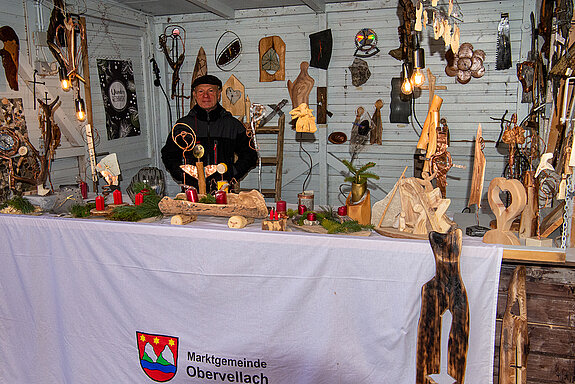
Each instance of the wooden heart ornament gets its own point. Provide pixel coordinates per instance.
(505, 215)
(233, 95)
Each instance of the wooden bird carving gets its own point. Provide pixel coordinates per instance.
(9, 55)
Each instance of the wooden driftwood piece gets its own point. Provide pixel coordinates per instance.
(248, 204)
(200, 69)
(478, 175)
(277, 44)
(505, 215)
(445, 291)
(300, 89)
(239, 222)
(274, 225)
(182, 219)
(514, 335)
(233, 97)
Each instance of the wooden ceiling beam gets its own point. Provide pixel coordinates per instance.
(318, 6)
(216, 7)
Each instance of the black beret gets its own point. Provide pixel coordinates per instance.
(207, 79)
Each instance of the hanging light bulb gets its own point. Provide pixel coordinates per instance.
(406, 86)
(80, 109)
(418, 78)
(64, 80)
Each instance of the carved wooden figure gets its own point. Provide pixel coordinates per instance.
(300, 89)
(505, 215)
(514, 334)
(529, 217)
(445, 291)
(376, 133)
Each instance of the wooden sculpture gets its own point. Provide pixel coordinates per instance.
(529, 217)
(514, 334)
(478, 174)
(51, 136)
(428, 139)
(440, 162)
(412, 213)
(233, 97)
(376, 133)
(505, 215)
(445, 291)
(272, 50)
(300, 89)
(200, 69)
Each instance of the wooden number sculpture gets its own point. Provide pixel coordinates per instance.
(377, 131)
(445, 291)
(300, 89)
(514, 335)
(272, 52)
(233, 97)
(505, 215)
(200, 69)
(478, 175)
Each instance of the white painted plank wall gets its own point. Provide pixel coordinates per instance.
(464, 106)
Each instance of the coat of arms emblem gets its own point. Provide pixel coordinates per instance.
(158, 355)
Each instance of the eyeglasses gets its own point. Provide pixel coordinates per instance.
(208, 91)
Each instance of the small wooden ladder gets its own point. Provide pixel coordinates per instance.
(276, 160)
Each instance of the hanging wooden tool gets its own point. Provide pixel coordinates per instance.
(514, 345)
(272, 51)
(445, 291)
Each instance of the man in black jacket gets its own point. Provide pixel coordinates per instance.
(223, 137)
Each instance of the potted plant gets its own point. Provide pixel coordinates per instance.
(359, 179)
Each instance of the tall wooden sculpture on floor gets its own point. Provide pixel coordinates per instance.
(514, 335)
(445, 291)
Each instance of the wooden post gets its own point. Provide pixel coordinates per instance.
(88, 95)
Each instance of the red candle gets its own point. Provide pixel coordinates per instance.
(221, 197)
(117, 197)
(301, 209)
(311, 216)
(139, 198)
(281, 206)
(83, 189)
(100, 203)
(342, 211)
(192, 195)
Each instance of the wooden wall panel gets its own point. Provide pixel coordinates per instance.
(551, 322)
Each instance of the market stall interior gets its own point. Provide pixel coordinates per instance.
(442, 122)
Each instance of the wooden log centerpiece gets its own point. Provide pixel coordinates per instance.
(248, 204)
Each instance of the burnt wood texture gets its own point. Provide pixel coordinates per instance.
(445, 291)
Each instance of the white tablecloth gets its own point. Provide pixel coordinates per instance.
(221, 305)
